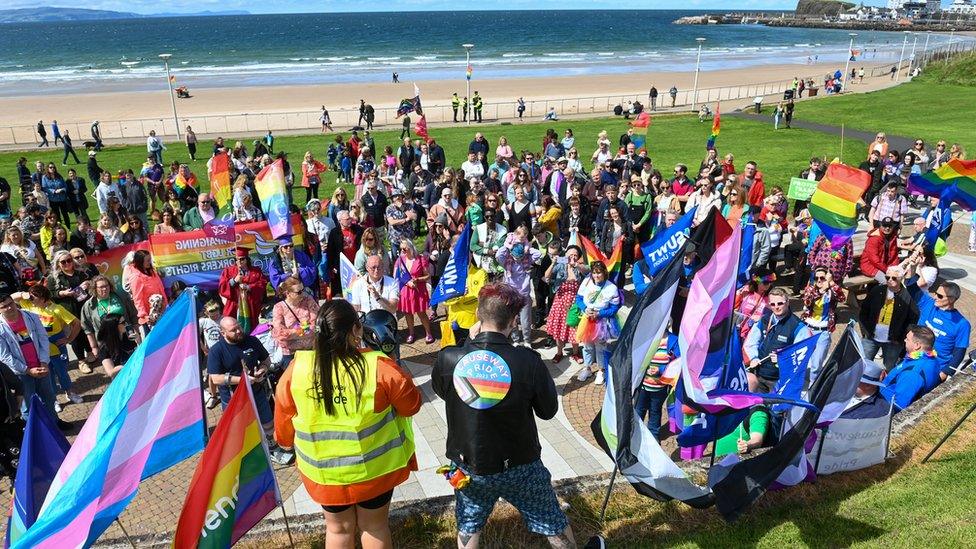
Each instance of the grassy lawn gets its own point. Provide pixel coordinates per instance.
(901, 503)
(673, 139)
(937, 105)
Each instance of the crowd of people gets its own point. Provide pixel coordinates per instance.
(396, 217)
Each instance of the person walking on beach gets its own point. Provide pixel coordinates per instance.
(362, 112)
(652, 95)
(893, 71)
(42, 133)
(455, 104)
(673, 92)
(370, 115)
(520, 108)
(68, 149)
(56, 132)
(396, 78)
(860, 75)
(96, 133)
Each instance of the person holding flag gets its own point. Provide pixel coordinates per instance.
(516, 256)
(411, 272)
(243, 287)
(346, 411)
(777, 328)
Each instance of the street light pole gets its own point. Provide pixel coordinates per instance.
(169, 82)
(952, 32)
(902, 57)
(467, 65)
(850, 54)
(694, 101)
(925, 51)
(911, 58)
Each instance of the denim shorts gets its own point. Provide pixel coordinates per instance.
(527, 487)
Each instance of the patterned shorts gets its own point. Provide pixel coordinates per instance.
(528, 487)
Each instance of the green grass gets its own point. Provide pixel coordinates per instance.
(928, 108)
(780, 154)
(960, 71)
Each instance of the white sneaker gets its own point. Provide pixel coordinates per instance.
(75, 398)
(599, 378)
(583, 374)
(57, 406)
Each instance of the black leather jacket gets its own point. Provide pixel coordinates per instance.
(488, 436)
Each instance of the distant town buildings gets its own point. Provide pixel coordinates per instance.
(962, 7)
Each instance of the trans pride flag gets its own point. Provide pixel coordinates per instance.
(640, 125)
(270, 184)
(954, 181)
(220, 179)
(834, 203)
(149, 419)
(234, 477)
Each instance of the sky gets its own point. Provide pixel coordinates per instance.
(304, 6)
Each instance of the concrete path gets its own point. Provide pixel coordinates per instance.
(897, 142)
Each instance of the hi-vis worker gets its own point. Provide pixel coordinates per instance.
(455, 104)
(346, 411)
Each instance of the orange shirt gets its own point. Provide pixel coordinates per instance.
(394, 388)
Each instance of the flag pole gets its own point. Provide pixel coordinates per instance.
(281, 504)
(606, 497)
(841, 143)
(126, 534)
(203, 404)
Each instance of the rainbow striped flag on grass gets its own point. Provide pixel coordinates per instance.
(234, 486)
(954, 181)
(640, 125)
(834, 203)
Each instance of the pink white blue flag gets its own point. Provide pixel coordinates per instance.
(149, 419)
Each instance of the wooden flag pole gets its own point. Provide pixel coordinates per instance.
(126, 534)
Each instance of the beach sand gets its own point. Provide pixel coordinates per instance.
(111, 105)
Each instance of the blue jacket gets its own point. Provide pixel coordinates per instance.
(911, 380)
(306, 271)
(55, 189)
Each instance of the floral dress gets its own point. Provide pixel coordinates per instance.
(565, 296)
(398, 233)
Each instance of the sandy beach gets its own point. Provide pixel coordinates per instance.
(111, 105)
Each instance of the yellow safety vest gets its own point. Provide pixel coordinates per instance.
(355, 445)
(455, 101)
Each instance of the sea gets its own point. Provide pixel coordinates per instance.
(324, 48)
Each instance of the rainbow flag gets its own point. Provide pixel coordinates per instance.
(834, 203)
(220, 179)
(716, 127)
(180, 183)
(270, 184)
(468, 72)
(640, 125)
(954, 181)
(234, 478)
(149, 419)
(594, 254)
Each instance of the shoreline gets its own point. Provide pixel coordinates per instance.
(107, 106)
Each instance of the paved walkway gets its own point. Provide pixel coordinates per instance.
(897, 142)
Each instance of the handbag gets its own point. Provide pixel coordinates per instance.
(573, 316)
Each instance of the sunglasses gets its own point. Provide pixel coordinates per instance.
(941, 296)
(777, 304)
(893, 277)
(820, 278)
(65, 261)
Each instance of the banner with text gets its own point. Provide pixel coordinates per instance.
(852, 444)
(197, 258)
(801, 188)
(112, 262)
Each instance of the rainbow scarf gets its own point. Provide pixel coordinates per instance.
(954, 181)
(716, 128)
(234, 477)
(594, 254)
(181, 184)
(834, 203)
(915, 355)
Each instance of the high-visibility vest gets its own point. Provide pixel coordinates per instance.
(455, 101)
(355, 445)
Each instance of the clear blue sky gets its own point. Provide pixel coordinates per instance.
(302, 6)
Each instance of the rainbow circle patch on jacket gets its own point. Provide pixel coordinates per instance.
(482, 379)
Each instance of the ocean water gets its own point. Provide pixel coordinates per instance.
(50, 58)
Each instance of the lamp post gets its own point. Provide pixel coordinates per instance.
(902, 57)
(911, 58)
(952, 32)
(925, 50)
(694, 101)
(169, 82)
(467, 65)
(850, 54)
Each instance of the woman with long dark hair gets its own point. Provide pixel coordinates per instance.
(114, 344)
(345, 411)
